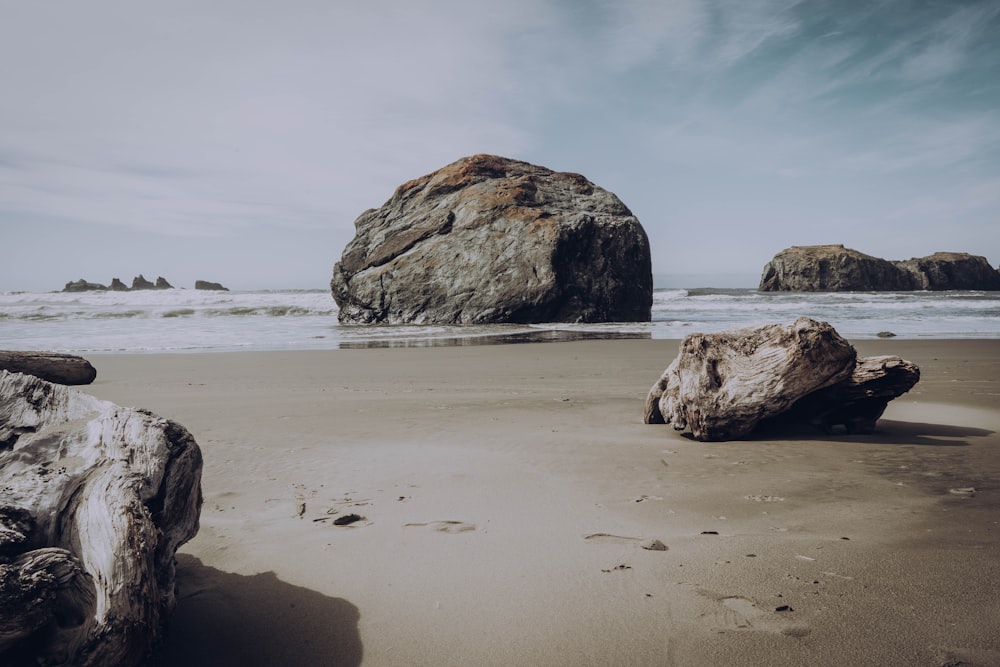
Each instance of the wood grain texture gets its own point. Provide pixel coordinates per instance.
(95, 499)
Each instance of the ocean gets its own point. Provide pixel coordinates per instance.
(181, 320)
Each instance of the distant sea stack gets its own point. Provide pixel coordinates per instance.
(138, 283)
(834, 268)
(490, 239)
(206, 285)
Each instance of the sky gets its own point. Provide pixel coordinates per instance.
(238, 140)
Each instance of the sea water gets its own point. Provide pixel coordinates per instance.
(180, 320)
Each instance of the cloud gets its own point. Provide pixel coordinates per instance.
(236, 122)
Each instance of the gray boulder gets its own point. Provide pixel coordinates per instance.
(490, 239)
(834, 268)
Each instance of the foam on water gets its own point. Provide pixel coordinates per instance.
(195, 320)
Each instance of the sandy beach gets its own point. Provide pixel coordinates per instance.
(504, 496)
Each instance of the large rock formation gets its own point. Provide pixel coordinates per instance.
(721, 386)
(834, 268)
(51, 366)
(951, 270)
(94, 502)
(490, 239)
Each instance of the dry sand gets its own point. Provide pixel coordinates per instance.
(506, 492)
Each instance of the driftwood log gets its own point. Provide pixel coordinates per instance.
(95, 499)
(52, 366)
(857, 403)
(721, 386)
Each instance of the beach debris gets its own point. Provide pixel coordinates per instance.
(765, 499)
(783, 608)
(965, 491)
(653, 545)
(709, 532)
(347, 519)
(446, 526)
(300, 510)
(722, 386)
(619, 568)
(50, 366)
(95, 501)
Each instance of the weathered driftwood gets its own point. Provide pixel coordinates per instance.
(722, 385)
(52, 366)
(95, 499)
(858, 402)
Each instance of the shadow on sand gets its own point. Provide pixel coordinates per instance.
(229, 620)
(887, 432)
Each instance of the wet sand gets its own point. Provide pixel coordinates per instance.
(504, 495)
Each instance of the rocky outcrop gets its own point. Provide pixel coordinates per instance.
(95, 499)
(722, 386)
(490, 239)
(82, 285)
(117, 286)
(140, 282)
(834, 268)
(51, 366)
(161, 283)
(951, 270)
(206, 285)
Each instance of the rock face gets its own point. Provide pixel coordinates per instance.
(951, 270)
(140, 282)
(721, 386)
(490, 239)
(205, 285)
(50, 366)
(834, 268)
(117, 285)
(161, 283)
(94, 502)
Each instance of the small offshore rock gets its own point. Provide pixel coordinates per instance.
(206, 285)
(885, 334)
(82, 285)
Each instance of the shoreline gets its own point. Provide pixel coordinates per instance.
(505, 491)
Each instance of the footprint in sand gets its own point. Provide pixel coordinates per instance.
(445, 526)
(739, 613)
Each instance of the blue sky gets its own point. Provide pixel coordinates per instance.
(237, 140)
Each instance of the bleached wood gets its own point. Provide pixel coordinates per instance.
(95, 499)
(720, 386)
(52, 366)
